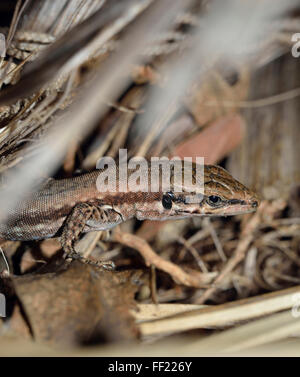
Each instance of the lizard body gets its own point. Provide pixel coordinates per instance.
(71, 206)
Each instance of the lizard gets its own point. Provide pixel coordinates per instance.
(71, 206)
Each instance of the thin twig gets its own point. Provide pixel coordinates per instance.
(153, 285)
(239, 254)
(5, 270)
(267, 101)
(194, 253)
(15, 20)
(152, 258)
(215, 238)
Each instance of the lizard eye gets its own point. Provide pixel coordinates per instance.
(214, 200)
(167, 200)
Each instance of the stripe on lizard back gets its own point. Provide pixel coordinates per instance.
(43, 215)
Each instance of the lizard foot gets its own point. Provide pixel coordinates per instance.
(109, 265)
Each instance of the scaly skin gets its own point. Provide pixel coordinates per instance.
(69, 207)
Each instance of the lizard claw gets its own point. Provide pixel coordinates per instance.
(109, 265)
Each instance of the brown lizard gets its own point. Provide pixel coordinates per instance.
(69, 207)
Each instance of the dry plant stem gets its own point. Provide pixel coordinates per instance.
(156, 128)
(69, 162)
(134, 100)
(13, 124)
(67, 92)
(14, 23)
(194, 253)
(220, 316)
(13, 26)
(215, 238)
(153, 285)
(272, 100)
(262, 331)
(30, 120)
(91, 247)
(239, 254)
(149, 312)
(64, 55)
(18, 67)
(200, 235)
(91, 159)
(151, 257)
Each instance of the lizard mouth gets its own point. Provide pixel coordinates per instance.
(241, 209)
(237, 209)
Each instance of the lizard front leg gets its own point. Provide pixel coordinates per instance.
(87, 215)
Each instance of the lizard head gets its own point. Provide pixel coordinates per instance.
(223, 196)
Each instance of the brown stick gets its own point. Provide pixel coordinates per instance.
(151, 257)
(239, 254)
